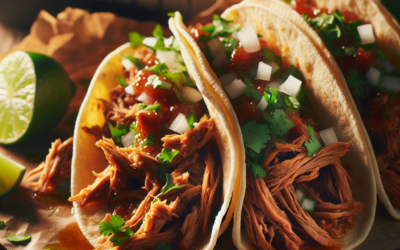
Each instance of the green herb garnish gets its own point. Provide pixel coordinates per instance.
(268, 55)
(149, 141)
(255, 135)
(279, 123)
(169, 186)
(221, 27)
(313, 144)
(229, 45)
(115, 226)
(2, 224)
(18, 238)
(256, 168)
(163, 246)
(249, 91)
(139, 64)
(135, 39)
(253, 72)
(155, 107)
(191, 118)
(158, 32)
(28, 217)
(121, 81)
(166, 156)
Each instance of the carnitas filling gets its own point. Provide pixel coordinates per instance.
(164, 179)
(297, 191)
(371, 79)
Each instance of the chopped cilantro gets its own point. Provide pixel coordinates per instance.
(191, 118)
(132, 126)
(169, 186)
(293, 71)
(18, 238)
(278, 122)
(249, 91)
(268, 55)
(221, 27)
(253, 72)
(158, 68)
(171, 14)
(178, 78)
(155, 107)
(229, 45)
(139, 64)
(304, 99)
(206, 50)
(28, 217)
(135, 39)
(149, 141)
(255, 135)
(117, 133)
(121, 81)
(292, 104)
(163, 246)
(166, 155)
(115, 226)
(256, 168)
(158, 83)
(313, 144)
(2, 224)
(158, 32)
(246, 80)
(357, 84)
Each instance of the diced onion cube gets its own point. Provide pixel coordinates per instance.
(274, 66)
(373, 75)
(191, 94)
(150, 41)
(328, 136)
(262, 105)
(391, 83)
(220, 59)
(274, 85)
(291, 86)
(168, 41)
(249, 39)
(180, 124)
(387, 65)
(264, 71)
(300, 195)
(235, 88)
(129, 90)
(128, 139)
(215, 46)
(127, 63)
(171, 58)
(225, 80)
(366, 33)
(145, 98)
(308, 204)
(235, 35)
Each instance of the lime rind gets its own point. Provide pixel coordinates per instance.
(17, 95)
(11, 174)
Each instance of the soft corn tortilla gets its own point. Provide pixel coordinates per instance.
(331, 108)
(387, 34)
(87, 157)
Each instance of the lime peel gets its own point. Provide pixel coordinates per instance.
(10, 175)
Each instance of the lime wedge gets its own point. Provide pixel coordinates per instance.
(10, 175)
(35, 92)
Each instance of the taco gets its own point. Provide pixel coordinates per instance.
(165, 173)
(360, 40)
(309, 180)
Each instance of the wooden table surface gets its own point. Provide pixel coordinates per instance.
(385, 233)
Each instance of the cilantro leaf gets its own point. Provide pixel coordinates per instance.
(255, 135)
(18, 238)
(163, 246)
(158, 32)
(117, 133)
(113, 226)
(229, 45)
(121, 81)
(279, 123)
(169, 186)
(158, 68)
(191, 119)
(139, 64)
(249, 91)
(178, 78)
(357, 84)
(313, 144)
(154, 107)
(171, 14)
(268, 55)
(2, 224)
(221, 27)
(149, 140)
(166, 155)
(135, 39)
(253, 72)
(28, 217)
(256, 168)
(161, 172)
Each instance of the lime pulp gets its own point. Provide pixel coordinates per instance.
(11, 174)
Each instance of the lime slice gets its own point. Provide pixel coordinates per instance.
(35, 92)
(10, 175)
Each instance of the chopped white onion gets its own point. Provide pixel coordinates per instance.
(274, 66)
(300, 195)
(150, 41)
(225, 80)
(171, 58)
(262, 105)
(220, 59)
(291, 86)
(373, 75)
(391, 83)
(168, 41)
(127, 63)
(366, 33)
(235, 35)
(264, 71)
(145, 98)
(191, 94)
(129, 90)
(249, 39)
(328, 136)
(387, 65)
(128, 139)
(180, 124)
(215, 46)
(274, 85)
(308, 204)
(235, 88)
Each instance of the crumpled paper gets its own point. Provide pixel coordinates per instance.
(79, 41)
